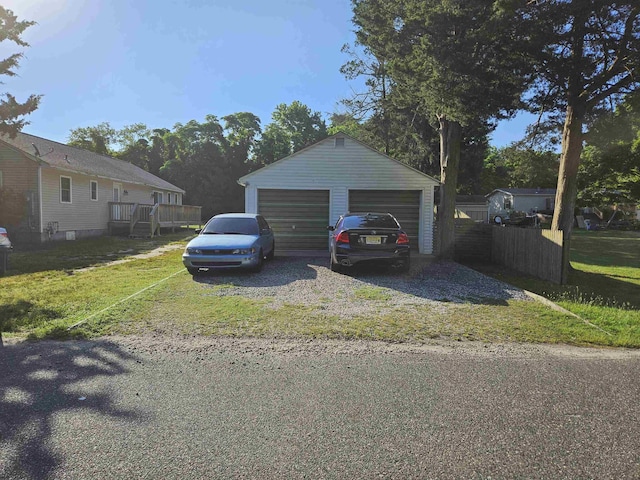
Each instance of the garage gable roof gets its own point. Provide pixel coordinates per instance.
(301, 153)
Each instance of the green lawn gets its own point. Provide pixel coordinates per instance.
(45, 293)
(604, 285)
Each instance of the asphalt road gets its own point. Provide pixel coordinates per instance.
(197, 408)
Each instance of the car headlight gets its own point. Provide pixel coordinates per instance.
(193, 251)
(244, 251)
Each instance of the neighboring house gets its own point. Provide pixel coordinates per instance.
(503, 201)
(473, 207)
(303, 193)
(51, 191)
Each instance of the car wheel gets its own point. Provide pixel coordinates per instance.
(258, 266)
(335, 267)
(193, 271)
(406, 266)
(272, 253)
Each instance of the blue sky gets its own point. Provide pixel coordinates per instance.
(161, 62)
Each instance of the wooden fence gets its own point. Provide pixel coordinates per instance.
(472, 241)
(532, 251)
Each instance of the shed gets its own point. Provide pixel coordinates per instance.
(303, 193)
(503, 201)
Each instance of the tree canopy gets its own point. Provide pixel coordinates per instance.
(454, 64)
(12, 112)
(293, 128)
(609, 170)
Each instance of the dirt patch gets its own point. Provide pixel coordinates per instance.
(310, 347)
(153, 253)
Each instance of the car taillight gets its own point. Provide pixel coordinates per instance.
(342, 237)
(403, 239)
(4, 234)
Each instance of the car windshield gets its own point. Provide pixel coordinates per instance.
(231, 225)
(370, 221)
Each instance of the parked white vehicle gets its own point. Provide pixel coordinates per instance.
(5, 249)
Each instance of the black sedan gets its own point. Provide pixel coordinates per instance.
(368, 237)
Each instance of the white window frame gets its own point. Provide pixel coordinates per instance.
(91, 183)
(70, 189)
(159, 195)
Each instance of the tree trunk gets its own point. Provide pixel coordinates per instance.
(567, 189)
(450, 140)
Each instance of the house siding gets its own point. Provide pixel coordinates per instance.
(20, 176)
(82, 213)
(340, 169)
(84, 216)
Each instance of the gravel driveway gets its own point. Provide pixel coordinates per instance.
(308, 281)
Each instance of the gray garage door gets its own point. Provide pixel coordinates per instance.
(299, 218)
(402, 204)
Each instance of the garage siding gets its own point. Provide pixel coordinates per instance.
(402, 204)
(299, 218)
(338, 169)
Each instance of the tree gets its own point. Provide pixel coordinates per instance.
(294, 127)
(589, 57)
(98, 139)
(374, 102)
(463, 62)
(609, 171)
(12, 111)
(518, 166)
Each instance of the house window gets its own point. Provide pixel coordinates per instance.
(549, 203)
(339, 142)
(94, 190)
(65, 189)
(507, 203)
(157, 197)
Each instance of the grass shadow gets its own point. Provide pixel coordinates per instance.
(22, 313)
(41, 380)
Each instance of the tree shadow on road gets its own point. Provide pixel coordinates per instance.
(41, 380)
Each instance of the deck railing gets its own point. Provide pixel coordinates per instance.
(158, 215)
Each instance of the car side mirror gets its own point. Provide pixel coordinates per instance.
(331, 228)
(198, 230)
(265, 231)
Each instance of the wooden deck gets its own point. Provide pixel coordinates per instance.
(145, 220)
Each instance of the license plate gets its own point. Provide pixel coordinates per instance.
(373, 240)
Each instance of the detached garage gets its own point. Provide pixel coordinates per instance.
(303, 193)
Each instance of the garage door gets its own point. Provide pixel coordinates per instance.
(402, 204)
(299, 218)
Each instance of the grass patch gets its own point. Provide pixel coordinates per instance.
(372, 293)
(45, 294)
(603, 285)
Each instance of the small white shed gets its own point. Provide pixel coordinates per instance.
(528, 200)
(301, 194)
